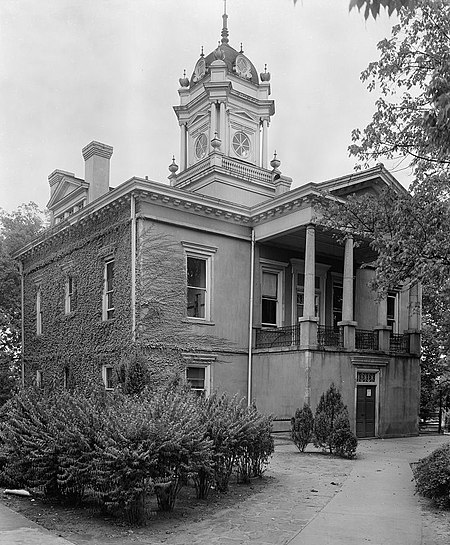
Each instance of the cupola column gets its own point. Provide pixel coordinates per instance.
(213, 123)
(222, 123)
(183, 147)
(265, 125)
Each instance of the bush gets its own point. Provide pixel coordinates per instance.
(302, 425)
(433, 476)
(332, 425)
(240, 438)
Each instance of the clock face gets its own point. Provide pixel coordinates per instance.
(241, 144)
(199, 70)
(201, 146)
(243, 67)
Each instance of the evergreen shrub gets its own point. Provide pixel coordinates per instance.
(332, 425)
(433, 476)
(302, 425)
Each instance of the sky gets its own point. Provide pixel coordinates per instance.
(73, 71)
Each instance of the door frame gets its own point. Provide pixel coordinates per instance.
(362, 378)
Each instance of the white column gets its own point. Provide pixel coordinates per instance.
(310, 273)
(183, 147)
(222, 123)
(213, 123)
(347, 284)
(265, 143)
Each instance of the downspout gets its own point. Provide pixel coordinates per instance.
(250, 323)
(22, 323)
(133, 266)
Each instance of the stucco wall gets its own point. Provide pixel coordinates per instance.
(280, 382)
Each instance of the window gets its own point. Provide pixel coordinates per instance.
(270, 292)
(107, 375)
(39, 312)
(108, 291)
(199, 266)
(338, 294)
(66, 378)
(201, 146)
(196, 287)
(39, 379)
(392, 310)
(70, 295)
(272, 274)
(199, 378)
(241, 144)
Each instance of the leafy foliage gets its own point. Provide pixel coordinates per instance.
(372, 7)
(302, 425)
(117, 450)
(433, 476)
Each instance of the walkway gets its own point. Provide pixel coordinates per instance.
(376, 504)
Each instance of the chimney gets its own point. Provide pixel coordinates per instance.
(96, 168)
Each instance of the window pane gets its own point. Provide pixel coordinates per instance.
(269, 312)
(109, 275)
(391, 306)
(196, 302)
(196, 377)
(196, 272)
(269, 285)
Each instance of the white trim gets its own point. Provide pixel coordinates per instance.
(279, 270)
(105, 308)
(68, 296)
(39, 311)
(207, 381)
(205, 253)
(105, 376)
(376, 383)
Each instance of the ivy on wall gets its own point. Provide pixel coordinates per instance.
(80, 341)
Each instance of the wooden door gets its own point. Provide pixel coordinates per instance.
(365, 410)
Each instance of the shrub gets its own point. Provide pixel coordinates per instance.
(302, 425)
(240, 438)
(332, 425)
(433, 476)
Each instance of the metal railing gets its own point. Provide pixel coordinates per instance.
(366, 339)
(281, 336)
(329, 336)
(399, 343)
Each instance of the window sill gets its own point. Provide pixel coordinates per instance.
(198, 321)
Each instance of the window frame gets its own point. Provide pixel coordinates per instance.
(207, 380)
(39, 313)
(69, 300)
(273, 267)
(105, 369)
(206, 254)
(393, 322)
(107, 310)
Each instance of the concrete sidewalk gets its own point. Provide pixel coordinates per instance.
(376, 504)
(15, 529)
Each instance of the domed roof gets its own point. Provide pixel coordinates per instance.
(237, 63)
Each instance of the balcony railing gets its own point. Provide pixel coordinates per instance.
(329, 336)
(366, 339)
(399, 343)
(282, 336)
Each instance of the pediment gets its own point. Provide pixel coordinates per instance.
(65, 187)
(198, 118)
(244, 115)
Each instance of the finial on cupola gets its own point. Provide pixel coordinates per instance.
(173, 167)
(265, 76)
(201, 53)
(184, 81)
(224, 32)
(275, 163)
(241, 51)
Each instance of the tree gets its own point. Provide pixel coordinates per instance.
(409, 230)
(17, 228)
(373, 7)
